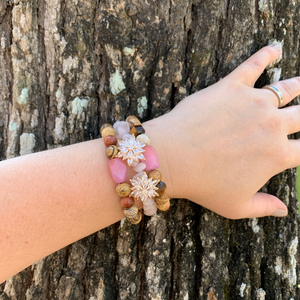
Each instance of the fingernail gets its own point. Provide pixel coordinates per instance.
(277, 46)
(280, 213)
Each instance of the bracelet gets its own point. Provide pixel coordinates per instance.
(126, 141)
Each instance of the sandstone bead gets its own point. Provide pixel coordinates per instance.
(139, 129)
(134, 120)
(155, 175)
(123, 189)
(143, 138)
(108, 131)
(127, 202)
(112, 151)
(161, 188)
(104, 126)
(110, 140)
(164, 207)
(162, 199)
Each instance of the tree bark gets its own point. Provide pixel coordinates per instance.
(68, 66)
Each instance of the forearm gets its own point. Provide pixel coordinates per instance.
(56, 197)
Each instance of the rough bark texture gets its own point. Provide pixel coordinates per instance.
(67, 66)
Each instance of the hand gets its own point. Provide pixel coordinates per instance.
(220, 145)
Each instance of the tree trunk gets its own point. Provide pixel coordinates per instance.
(68, 66)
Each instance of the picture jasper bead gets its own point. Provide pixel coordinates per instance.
(164, 207)
(123, 189)
(162, 199)
(161, 188)
(127, 202)
(155, 175)
(110, 140)
(105, 125)
(139, 129)
(134, 120)
(133, 215)
(108, 131)
(112, 151)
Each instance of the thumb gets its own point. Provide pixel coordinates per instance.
(261, 205)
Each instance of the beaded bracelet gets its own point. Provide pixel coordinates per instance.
(127, 141)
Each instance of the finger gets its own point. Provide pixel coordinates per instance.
(289, 88)
(261, 205)
(249, 71)
(291, 118)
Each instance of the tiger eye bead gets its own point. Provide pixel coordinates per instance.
(134, 131)
(123, 189)
(154, 175)
(105, 125)
(108, 131)
(111, 151)
(161, 188)
(110, 140)
(127, 202)
(139, 129)
(134, 120)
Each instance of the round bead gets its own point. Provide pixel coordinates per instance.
(127, 202)
(143, 138)
(155, 175)
(162, 199)
(161, 188)
(123, 189)
(134, 120)
(105, 125)
(164, 207)
(133, 215)
(139, 129)
(133, 131)
(111, 151)
(108, 131)
(110, 140)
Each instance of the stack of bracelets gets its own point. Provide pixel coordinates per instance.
(127, 142)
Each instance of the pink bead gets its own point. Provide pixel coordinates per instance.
(139, 168)
(151, 158)
(138, 175)
(121, 129)
(135, 163)
(118, 170)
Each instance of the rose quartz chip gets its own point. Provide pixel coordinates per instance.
(151, 158)
(118, 170)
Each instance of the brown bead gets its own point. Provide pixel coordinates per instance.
(133, 215)
(110, 140)
(164, 207)
(123, 189)
(139, 129)
(162, 199)
(133, 131)
(111, 151)
(155, 175)
(127, 202)
(134, 120)
(130, 125)
(161, 188)
(105, 125)
(107, 131)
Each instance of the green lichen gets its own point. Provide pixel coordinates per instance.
(22, 99)
(127, 50)
(12, 126)
(116, 83)
(78, 105)
(142, 105)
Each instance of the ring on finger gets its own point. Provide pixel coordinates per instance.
(275, 90)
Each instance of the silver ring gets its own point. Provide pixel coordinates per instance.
(275, 90)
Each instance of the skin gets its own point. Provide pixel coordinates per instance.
(227, 141)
